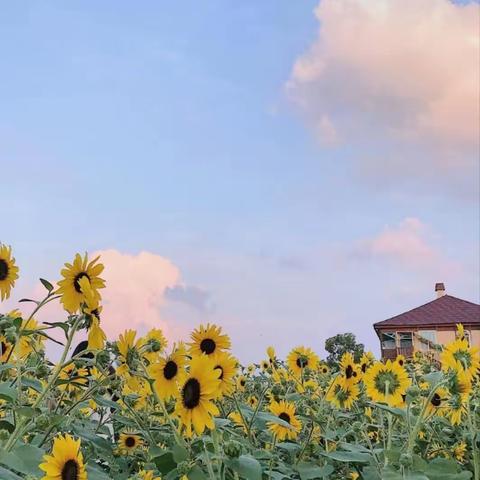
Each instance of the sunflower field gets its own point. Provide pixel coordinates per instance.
(138, 408)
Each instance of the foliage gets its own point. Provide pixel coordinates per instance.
(342, 343)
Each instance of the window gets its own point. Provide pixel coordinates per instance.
(389, 341)
(427, 339)
(467, 338)
(406, 339)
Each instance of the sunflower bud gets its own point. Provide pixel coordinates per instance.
(183, 468)
(11, 334)
(232, 449)
(5, 323)
(42, 371)
(406, 459)
(42, 422)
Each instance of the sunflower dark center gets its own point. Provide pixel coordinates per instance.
(3, 269)
(302, 362)
(364, 367)
(285, 417)
(242, 382)
(70, 470)
(76, 281)
(400, 362)
(218, 367)
(349, 371)
(3, 347)
(325, 370)
(191, 393)
(130, 442)
(207, 346)
(436, 400)
(170, 370)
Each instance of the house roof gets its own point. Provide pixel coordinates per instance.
(446, 310)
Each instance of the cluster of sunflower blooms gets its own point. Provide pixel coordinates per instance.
(136, 408)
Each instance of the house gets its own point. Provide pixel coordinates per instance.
(431, 324)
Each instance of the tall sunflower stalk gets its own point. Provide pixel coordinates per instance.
(24, 422)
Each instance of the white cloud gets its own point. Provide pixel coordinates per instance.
(135, 291)
(395, 75)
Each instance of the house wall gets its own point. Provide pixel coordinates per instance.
(444, 335)
(475, 336)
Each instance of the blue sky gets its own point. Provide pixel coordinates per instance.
(185, 130)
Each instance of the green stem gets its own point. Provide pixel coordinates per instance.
(24, 422)
(473, 434)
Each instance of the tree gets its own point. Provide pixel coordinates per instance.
(339, 344)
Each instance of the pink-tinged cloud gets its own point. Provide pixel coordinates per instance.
(398, 70)
(410, 245)
(135, 291)
(405, 242)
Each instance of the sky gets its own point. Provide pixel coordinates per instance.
(287, 170)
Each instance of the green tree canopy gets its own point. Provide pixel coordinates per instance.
(339, 344)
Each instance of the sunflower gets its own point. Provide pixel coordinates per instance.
(349, 370)
(200, 387)
(208, 339)
(458, 356)
(96, 336)
(265, 365)
(286, 412)
(69, 287)
(400, 360)
(72, 378)
(127, 348)
(147, 475)
(5, 348)
(438, 403)
(323, 368)
(252, 401)
(459, 451)
(241, 382)
(366, 360)
(65, 462)
(342, 394)
(166, 373)
(386, 383)
(457, 408)
(156, 343)
(8, 271)
(137, 392)
(227, 365)
(129, 442)
(238, 420)
(251, 369)
(301, 358)
(30, 339)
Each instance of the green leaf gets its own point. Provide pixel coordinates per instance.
(95, 473)
(196, 473)
(348, 456)
(24, 459)
(4, 425)
(7, 475)
(179, 453)
(47, 284)
(33, 384)
(7, 392)
(28, 300)
(247, 467)
(433, 378)
(6, 366)
(395, 411)
(105, 402)
(165, 462)
(309, 471)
